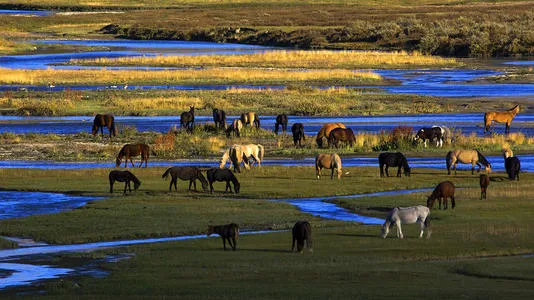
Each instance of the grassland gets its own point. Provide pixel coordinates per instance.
(463, 253)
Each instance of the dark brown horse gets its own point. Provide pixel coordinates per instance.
(443, 191)
(219, 118)
(102, 121)
(302, 232)
(217, 174)
(324, 132)
(228, 232)
(130, 150)
(390, 159)
(123, 176)
(298, 134)
(281, 120)
(345, 135)
(187, 119)
(500, 117)
(484, 183)
(186, 173)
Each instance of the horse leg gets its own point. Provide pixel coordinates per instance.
(381, 170)
(224, 243)
(399, 229)
(125, 186)
(387, 173)
(439, 202)
(211, 187)
(422, 226)
(170, 185)
(111, 182)
(318, 172)
(399, 172)
(453, 202)
(332, 174)
(507, 130)
(445, 203)
(424, 142)
(194, 184)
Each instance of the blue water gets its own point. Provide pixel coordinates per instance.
(468, 123)
(520, 63)
(39, 13)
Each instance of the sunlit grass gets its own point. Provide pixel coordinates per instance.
(286, 59)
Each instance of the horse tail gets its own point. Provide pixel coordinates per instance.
(166, 173)
(448, 160)
(262, 151)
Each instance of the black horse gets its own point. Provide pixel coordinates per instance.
(430, 134)
(281, 120)
(102, 121)
(219, 118)
(186, 173)
(512, 166)
(187, 119)
(217, 174)
(298, 134)
(391, 159)
(123, 176)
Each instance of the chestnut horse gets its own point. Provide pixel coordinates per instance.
(345, 135)
(102, 121)
(324, 132)
(130, 150)
(500, 117)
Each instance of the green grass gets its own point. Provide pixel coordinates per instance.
(459, 258)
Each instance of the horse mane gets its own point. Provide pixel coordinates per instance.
(514, 109)
(482, 159)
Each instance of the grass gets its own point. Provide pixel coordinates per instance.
(287, 59)
(187, 77)
(460, 255)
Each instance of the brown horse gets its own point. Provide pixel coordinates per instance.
(250, 118)
(216, 174)
(186, 173)
(324, 132)
(123, 176)
(102, 121)
(442, 191)
(473, 157)
(228, 232)
(130, 150)
(345, 135)
(500, 117)
(187, 119)
(328, 161)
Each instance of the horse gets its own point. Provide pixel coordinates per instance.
(187, 119)
(102, 121)
(228, 232)
(302, 232)
(298, 134)
(281, 120)
(512, 166)
(216, 174)
(507, 152)
(130, 150)
(241, 153)
(473, 157)
(186, 173)
(328, 161)
(443, 191)
(390, 159)
(430, 134)
(324, 132)
(500, 117)
(250, 118)
(407, 215)
(219, 118)
(123, 176)
(484, 183)
(235, 127)
(341, 135)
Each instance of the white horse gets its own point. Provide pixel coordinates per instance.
(254, 151)
(407, 215)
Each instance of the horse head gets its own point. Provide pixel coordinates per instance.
(118, 161)
(137, 184)
(237, 187)
(407, 171)
(94, 129)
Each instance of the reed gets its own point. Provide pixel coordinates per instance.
(285, 59)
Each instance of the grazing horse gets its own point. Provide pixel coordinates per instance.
(130, 150)
(512, 166)
(302, 232)
(345, 135)
(187, 119)
(281, 120)
(235, 127)
(123, 176)
(239, 153)
(407, 215)
(216, 174)
(390, 159)
(228, 232)
(219, 118)
(298, 134)
(430, 134)
(484, 183)
(324, 132)
(328, 161)
(500, 117)
(250, 118)
(443, 191)
(102, 121)
(473, 157)
(186, 173)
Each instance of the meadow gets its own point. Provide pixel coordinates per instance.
(477, 245)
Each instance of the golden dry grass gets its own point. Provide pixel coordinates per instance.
(216, 75)
(286, 59)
